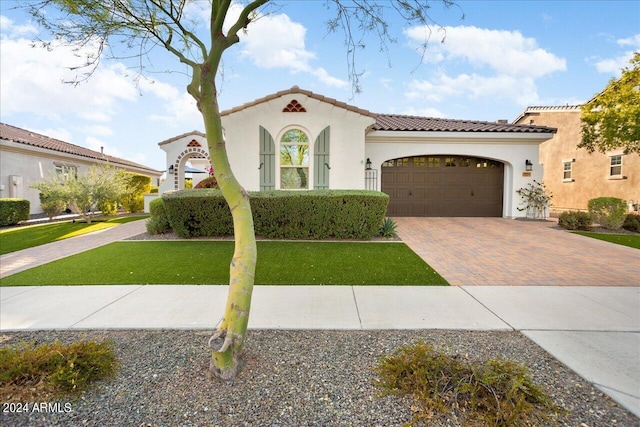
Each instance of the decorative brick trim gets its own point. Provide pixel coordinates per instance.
(294, 107)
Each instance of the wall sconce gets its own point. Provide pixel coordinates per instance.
(528, 166)
(171, 169)
(368, 164)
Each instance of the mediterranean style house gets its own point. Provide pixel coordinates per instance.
(574, 176)
(296, 139)
(27, 157)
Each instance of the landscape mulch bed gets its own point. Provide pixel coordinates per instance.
(289, 378)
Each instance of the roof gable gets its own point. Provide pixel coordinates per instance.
(294, 91)
(26, 137)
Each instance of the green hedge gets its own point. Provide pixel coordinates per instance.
(158, 222)
(315, 214)
(12, 211)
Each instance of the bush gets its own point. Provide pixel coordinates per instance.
(107, 208)
(158, 223)
(609, 212)
(209, 182)
(315, 214)
(575, 220)
(495, 393)
(136, 187)
(632, 222)
(28, 371)
(12, 211)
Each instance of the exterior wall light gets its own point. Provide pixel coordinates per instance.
(368, 164)
(171, 169)
(528, 165)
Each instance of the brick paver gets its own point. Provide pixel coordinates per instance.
(499, 251)
(15, 262)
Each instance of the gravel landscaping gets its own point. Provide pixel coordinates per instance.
(289, 378)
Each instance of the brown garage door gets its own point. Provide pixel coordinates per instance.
(443, 186)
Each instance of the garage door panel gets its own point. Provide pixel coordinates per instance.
(426, 186)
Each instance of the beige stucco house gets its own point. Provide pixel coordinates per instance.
(296, 139)
(27, 157)
(574, 176)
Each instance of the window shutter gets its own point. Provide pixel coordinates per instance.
(267, 161)
(321, 165)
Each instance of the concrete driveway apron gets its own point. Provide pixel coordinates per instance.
(507, 252)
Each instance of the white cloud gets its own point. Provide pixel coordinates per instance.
(507, 65)
(424, 112)
(275, 41)
(98, 145)
(32, 81)
(615, 65)
(504, 52)
(8, 26)
(522, 91)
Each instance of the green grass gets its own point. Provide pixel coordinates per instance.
(630, 240)
(207, 262)
(18, 238)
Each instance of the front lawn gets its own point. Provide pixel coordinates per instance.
(207, 262)
(18, 238)
(631, 240)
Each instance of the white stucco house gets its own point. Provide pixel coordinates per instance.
(296, 139)
(27, 157)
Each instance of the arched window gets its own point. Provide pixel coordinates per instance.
(294, 160)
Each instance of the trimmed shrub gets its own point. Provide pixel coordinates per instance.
(158, 223)
(632, 222)
(12, 211)
(575, 220)
(315, 214)
(609, 212)
(209, 182)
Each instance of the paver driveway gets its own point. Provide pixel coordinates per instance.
(499, 251)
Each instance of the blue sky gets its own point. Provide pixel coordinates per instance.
(502, 57)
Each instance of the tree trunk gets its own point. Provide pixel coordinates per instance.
(228, 340)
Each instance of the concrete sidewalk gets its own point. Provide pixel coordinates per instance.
(593, 330)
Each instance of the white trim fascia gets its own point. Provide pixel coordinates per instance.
(457, 137)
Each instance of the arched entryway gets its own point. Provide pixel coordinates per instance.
(193, 153)
(443, 185)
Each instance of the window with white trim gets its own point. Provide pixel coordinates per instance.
(64, 170)
(567, 171)
(294, 160)
(615, 168)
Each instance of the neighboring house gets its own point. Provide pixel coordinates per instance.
(27, 157)
(574, 176)
(296, 139)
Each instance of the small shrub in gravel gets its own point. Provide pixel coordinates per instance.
(575, 220)
(497, 392)
(29, 371)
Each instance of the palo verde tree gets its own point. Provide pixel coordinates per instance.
(612, 118)
(145, 24)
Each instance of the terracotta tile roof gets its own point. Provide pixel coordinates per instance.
(296, 90)
(394, 122)
(175, 138)
(23, 136)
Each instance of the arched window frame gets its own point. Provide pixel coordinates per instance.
(309, 158)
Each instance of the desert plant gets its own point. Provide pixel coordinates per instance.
(536, 200)
(609, 212)
(12, 211)
(495, 393)
(388, 228)
(632, 222)
(29, 371)
(575, 220)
